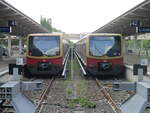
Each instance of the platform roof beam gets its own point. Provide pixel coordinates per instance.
(8, 12)
(140, 12)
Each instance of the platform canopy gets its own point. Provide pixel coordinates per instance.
(121, 24)
(25, 24)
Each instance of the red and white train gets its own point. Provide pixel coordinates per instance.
(46, 54)
(101, 54)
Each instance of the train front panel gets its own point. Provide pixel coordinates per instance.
(44, 55)
(104, 56)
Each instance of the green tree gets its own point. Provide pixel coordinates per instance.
(47, 23)
(146, 45)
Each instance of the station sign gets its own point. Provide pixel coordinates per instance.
(135, 23)
(5, 29)
(19, 61)
(144, 62)
(12, 23)
(144, 29)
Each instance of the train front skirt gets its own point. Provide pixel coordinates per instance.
(43, 68)
(115, 71)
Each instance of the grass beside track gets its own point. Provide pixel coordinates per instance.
(76, 87)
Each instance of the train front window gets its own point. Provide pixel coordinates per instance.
(44, 46)
(105, 46)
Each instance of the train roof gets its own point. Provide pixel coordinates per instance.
(45, 34)
(99, 34)
(103, 34)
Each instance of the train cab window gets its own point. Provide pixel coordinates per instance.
(105, 46)
(44, 45)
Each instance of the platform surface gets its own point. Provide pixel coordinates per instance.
(136, 104)
(22, 105)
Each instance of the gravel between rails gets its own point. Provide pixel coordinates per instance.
(84, 87)
(57, 99)
(95, 94)
(57, 103)
(34, 96)
(118, 96)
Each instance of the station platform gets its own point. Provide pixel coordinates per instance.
(131, 59)
(7, 60)
(4, 63)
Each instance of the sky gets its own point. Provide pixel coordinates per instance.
(75, 16)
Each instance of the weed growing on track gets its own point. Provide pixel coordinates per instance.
(83, 102)
(81, 88)
(76, 89)
(69, 91)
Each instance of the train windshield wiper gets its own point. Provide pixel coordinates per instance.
(100, 51)
(36, 52)
(45, 54)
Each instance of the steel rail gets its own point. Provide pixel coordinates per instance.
(82, 68)
(65, 64)
(44, 94)
(108, 97)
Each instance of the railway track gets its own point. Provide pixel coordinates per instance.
(108, 97)
(43, 96)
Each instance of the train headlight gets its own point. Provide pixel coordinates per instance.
(30, 53)
(43, 60)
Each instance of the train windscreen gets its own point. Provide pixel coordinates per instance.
(105, 46)
(44, 45)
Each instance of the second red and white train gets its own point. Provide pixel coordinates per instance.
(101, 54)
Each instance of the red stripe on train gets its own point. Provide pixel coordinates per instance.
(93, 62)
(53, 61)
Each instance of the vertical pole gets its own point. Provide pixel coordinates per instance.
(20, 46)
(10, 29)
(140, 75)
(72, 72)
(9, 46)
(1, 53)
(142, 44)
(136, 29)
(16, 76)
